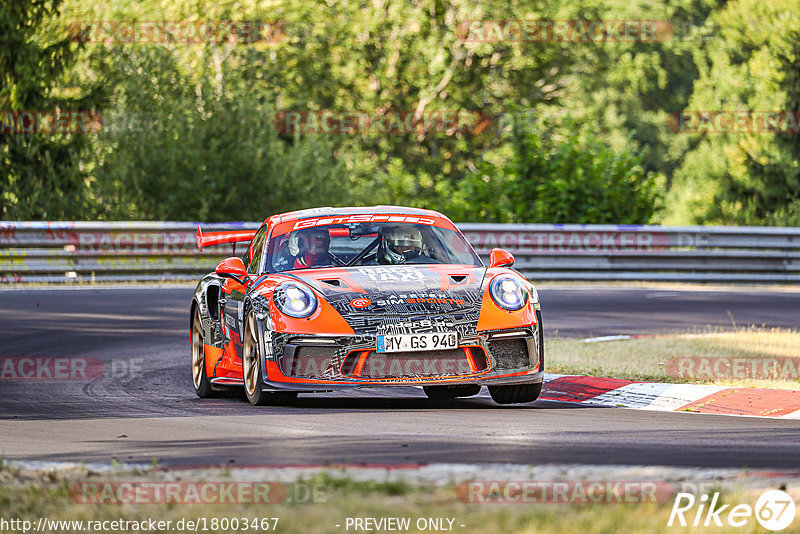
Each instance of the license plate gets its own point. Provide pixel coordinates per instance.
(418, 342)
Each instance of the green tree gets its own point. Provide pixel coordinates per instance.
(180, 150)
(559, 173)
(770, 191)
(748, 61)
(41, 175)
(202, 109)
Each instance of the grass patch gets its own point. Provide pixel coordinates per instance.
(32, 499)
(647, 359)
(348, 485)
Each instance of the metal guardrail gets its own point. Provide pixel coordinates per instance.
(640, 252)
(145, 251)
(110, 251)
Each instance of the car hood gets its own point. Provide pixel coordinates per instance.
(402, 298)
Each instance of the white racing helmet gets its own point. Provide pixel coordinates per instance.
(399, 244)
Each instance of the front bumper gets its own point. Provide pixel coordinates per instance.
(305, 362)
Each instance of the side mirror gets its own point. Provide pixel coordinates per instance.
(500, 257)
(232, 268)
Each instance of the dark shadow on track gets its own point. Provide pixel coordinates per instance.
(642, 448)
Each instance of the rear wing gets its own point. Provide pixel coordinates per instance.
(220, 238)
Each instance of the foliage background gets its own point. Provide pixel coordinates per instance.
(578, 134)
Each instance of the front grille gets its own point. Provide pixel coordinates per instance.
(306, 362)
(415, 364)
(510, 353)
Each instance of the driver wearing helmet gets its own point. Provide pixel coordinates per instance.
(312, 245)
(401, 244)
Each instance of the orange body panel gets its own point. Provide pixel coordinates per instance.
(493, 317)
(230, 365)
(325, 319)
(212, 356)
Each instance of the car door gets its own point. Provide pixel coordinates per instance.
(234, 294)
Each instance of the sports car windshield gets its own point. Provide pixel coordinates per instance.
(356, 244)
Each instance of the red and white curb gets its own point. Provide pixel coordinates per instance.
(774, 403)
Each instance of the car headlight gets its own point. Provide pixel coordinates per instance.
(508, 292)
(295, 300)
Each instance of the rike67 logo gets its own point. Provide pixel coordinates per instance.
(774, 510)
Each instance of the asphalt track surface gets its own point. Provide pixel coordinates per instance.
(144, 408)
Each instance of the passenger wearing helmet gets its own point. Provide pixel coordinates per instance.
(401, 244)
(312, 248)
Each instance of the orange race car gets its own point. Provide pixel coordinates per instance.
(334, 298)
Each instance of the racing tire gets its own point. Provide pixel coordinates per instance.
(202, 385)
(252, 374)
(517, 394)
(441, 393)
